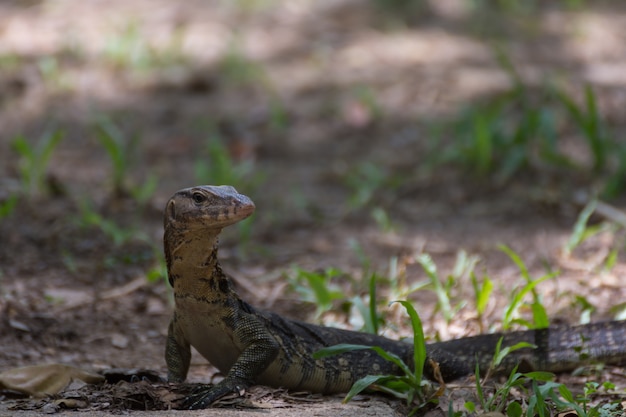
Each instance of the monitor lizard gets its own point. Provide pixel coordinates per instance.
(251, 346)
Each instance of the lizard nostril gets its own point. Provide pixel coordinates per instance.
(171, 210)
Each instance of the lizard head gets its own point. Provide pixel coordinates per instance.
(207, 207)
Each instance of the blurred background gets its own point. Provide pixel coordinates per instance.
(368, 132)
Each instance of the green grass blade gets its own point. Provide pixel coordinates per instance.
(319, 287)
(27, 161)
(504, 61)
(570, 401)
(573, 109)
(540, 315)
(337, 350)
(517, 300)
(8, 206)
(34, 159)
(540, 375)
(419, 342)
(374, 319)
(537, 402)
(22, 147)
(396, 360)
(481, 292)
(369, 325)
(479, 389)
(502, 353)
(588, 119)
(362, 384)
(483, 144)
(592, 129)
(48, 144)
(357, 248)
(111, 140)
(578, 234)
(442, 296)
(517, 260)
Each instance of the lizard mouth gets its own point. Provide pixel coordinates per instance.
(246, 210)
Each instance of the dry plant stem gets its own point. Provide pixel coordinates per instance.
(113, 293)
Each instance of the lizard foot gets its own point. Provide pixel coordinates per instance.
(204, 396)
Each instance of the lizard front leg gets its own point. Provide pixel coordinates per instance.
(260, 349)
(177, 353)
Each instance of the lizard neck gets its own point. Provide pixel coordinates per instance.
(192, 264)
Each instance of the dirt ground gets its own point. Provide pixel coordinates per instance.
(305, 96)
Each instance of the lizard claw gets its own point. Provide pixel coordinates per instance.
(203, 396)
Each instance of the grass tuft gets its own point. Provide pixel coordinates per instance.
(527, 130)
(410, 384)
(34, 160)
(123, 155)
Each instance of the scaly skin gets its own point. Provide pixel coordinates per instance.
(251, 346)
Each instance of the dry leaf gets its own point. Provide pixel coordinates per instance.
(41, 380)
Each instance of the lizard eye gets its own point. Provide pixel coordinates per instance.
(198, 198)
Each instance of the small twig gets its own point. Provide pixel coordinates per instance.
(117, 292)
(125, 289)
(611, 213)
(603, 209)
